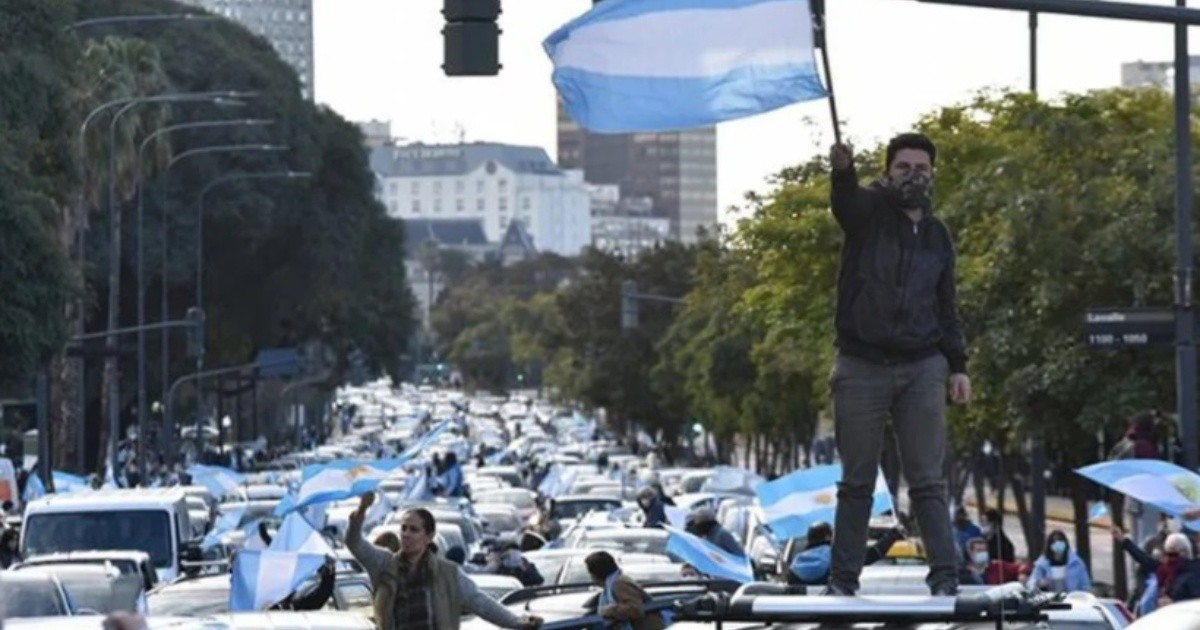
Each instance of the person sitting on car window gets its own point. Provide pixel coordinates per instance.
(811, 566)
(623, 601)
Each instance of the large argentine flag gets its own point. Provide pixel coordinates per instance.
(792, 503)
(708, 558)
(341, 479)
(1162, 484)
(298, 535)
(262, 577)
(659, 65)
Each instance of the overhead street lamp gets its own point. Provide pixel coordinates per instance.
(162, 235)
(223, 179)
(114, 242)
(140, 19)
(141, 279)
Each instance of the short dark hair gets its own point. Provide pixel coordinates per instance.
(427, 521)
(600, 565)
(917, 141)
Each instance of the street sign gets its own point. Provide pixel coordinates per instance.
(1129, 327)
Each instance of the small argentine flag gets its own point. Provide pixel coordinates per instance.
(792, 503)
(262, 577)
(341, 479)
(298, 535)
(662, 65)
(218, 480)
(1099, 510)
(707, 558)
(225, 523)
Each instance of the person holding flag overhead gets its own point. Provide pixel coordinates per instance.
(899, 344)
(414, 589)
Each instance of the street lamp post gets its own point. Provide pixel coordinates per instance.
(114, 245)
(167, 440)
(141, 279)
(223, 179)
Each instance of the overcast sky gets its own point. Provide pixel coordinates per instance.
(892, 60)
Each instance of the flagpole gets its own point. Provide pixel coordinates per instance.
(820, 41)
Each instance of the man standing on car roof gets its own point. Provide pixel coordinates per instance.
(899, 345)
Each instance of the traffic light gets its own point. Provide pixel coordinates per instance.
(629, 305)
(471, 38)
(195, 333)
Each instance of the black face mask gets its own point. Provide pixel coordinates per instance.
(914, 191)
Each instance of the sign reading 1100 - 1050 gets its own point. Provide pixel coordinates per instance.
(1129, 327)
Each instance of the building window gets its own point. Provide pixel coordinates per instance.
(394, 207)
(459, 186)
(416, 188)
(437, 204)
(459, 206)
(525, 203)
(502, 184)
(480, 205)
(394, 188)
(416, 206)
(437, 188)
(479, 186)
(503, 204)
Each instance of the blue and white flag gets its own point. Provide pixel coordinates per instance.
(425, 442)
(219, 480)
(225, 523)
(1162, 484)
(298, 535)
(795, 501)
(262, 577)
(34, 488)
(708, 558)
(662, 65)
(1099, 510)
(66, 482)
(341, 479)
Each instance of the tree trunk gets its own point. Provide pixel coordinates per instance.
(66, 417)
(1116, 506)
(1027, 528)
(977, 479)
(1083, 542)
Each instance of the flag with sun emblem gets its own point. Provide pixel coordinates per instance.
(793, 502)
(708, 558)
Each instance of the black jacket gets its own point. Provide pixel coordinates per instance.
(896, 293)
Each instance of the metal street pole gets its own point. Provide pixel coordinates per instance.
(140, 19)
(1185, 320)
(164, 305)
(143, 410)
(200, 264)
(111, 365)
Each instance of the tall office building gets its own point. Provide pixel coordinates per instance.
(677, 170)
(287, 24)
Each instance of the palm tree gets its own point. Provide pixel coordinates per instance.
(110, 69)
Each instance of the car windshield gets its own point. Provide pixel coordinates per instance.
(625, 543)
(31, 598)
(88, 592)
(576, 509)
(137, 530)
(187, 602)
(519, 499)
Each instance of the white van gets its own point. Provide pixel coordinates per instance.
(155, 521)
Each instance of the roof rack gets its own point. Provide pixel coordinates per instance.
(533, 592)
(1004, 603)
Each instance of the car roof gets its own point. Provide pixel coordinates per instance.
(109, 500)
(90, 554)
(585, 498)
(620, 533)
(494, 580)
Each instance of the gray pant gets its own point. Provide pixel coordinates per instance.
(914, 395)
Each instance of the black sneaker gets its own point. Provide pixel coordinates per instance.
(837, 591)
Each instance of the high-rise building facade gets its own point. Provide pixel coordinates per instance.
(677, 169)
(287, 24)
(1156, 73)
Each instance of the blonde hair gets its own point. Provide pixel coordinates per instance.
(1178, 543)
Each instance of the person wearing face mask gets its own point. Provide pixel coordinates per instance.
(652, 507)
(900, 351)
(1175, 575)
(979, 568)
(1059, 569)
